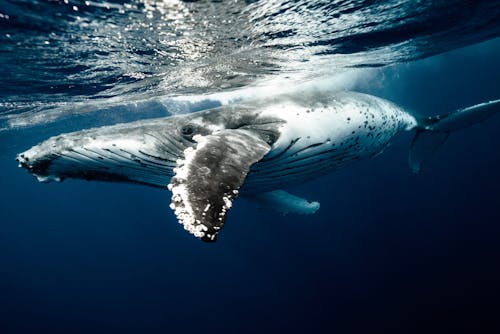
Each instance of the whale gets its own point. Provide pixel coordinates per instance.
(254, 149)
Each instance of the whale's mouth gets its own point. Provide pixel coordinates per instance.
(67, 165)
(133, 157)
(39, 168)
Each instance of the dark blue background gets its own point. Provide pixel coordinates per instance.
(388, 251)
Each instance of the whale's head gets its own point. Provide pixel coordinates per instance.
(203, 158)
(141, 152)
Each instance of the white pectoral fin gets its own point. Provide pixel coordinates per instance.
(285, 203)
(207, 180)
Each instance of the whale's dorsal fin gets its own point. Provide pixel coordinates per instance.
(285, 203)
(208, 179)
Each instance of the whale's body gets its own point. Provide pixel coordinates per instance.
(258, 147)
(321, 136)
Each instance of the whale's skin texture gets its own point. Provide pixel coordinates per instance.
(325, 134)
(204, 158)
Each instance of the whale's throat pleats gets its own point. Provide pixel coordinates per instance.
(207, 180)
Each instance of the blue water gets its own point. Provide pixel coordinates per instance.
(388, 252)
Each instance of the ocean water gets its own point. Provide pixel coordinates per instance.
(388, 252)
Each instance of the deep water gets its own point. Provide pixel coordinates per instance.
(388, 252)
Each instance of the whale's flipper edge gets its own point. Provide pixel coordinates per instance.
(432, 132)
(285, 203)
(208, 179)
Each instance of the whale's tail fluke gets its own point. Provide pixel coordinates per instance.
(432, 132)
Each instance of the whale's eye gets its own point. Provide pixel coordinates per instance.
(187, 130)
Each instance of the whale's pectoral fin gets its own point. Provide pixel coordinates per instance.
(285, 203)
(208, 179)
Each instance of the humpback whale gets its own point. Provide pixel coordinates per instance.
(254, 149)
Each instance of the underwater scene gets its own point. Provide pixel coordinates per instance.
(249, 166)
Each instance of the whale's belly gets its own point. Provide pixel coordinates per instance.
(326, 137)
